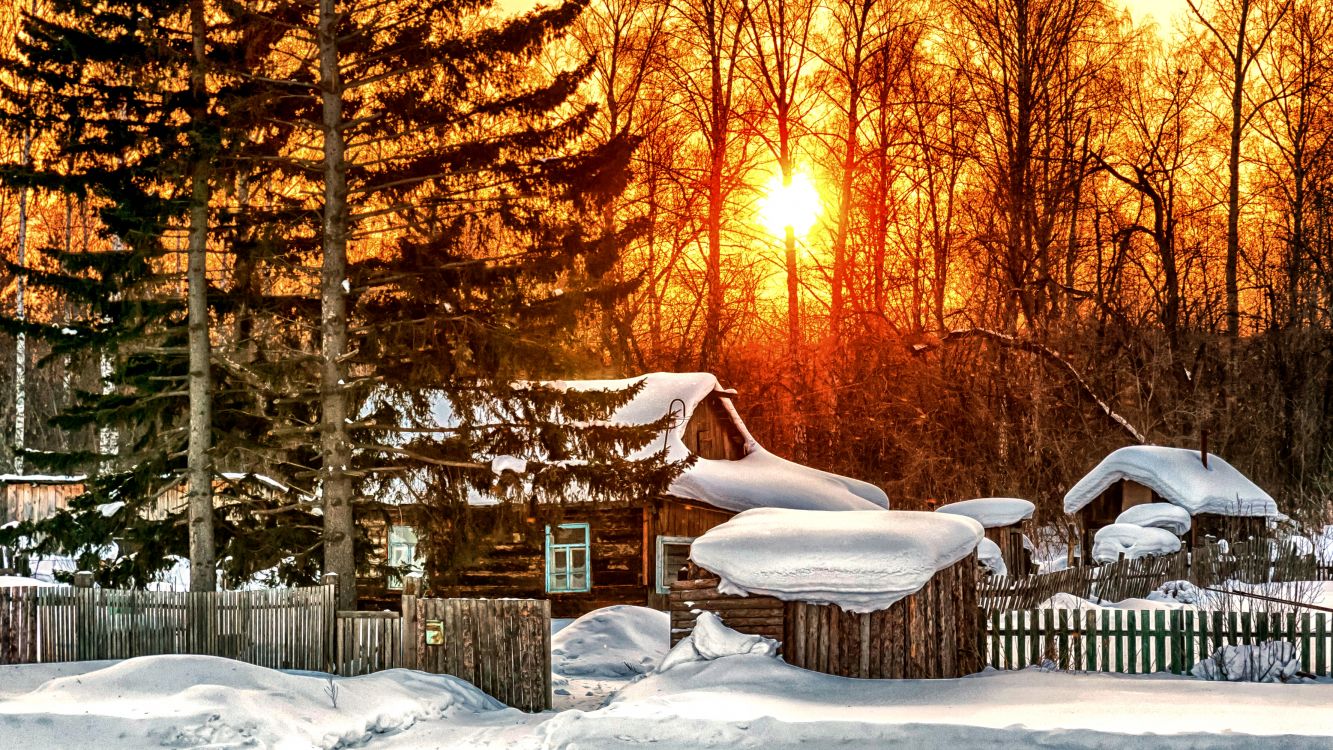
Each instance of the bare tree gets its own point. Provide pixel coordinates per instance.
(1241, 29)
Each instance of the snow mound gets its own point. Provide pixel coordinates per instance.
(614, 642)
(198, 701)
(1270, 661)
(992, 512)
(1064, 600)
(1173, 518)
(711, 640)
(1179, 477)
(988, 554)
(862, 561)
(1132, 542)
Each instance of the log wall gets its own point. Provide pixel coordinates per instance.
(760, 615)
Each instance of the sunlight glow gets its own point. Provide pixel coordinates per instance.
(795, 205)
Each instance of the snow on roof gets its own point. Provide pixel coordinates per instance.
(988, 554)
(1173, 518)
(41, 478)
(758, 479)
(862, 561)
(1132, 541)
(1179, 477)
(992, 512)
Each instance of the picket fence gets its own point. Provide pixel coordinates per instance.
(1144, 641)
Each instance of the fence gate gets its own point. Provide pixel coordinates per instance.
(502, 646)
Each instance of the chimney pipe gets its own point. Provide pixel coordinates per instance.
(1203, 447)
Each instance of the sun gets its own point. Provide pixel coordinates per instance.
(794, 205)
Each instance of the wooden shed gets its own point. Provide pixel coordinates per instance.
(933, 631)
(1006, 520)
(582, 555)
(1223, 503)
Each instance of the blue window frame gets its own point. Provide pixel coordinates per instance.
(402, 553)
(567, 559)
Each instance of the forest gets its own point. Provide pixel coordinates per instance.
(957, 249)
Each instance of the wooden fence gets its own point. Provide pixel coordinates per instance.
(502, 646)
(1142, 641)
(280, 629)
(1111, 582)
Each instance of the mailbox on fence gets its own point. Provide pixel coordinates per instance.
(434, 632)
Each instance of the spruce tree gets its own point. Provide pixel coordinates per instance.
(144, 118)
(455, 197)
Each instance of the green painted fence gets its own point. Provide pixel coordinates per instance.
(1142, 641)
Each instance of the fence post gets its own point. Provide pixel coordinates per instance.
(84, 617)
(330, 624)
(411, 590)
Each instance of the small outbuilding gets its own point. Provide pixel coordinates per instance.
(1221, 502)
(875, 594)
(1005, 520)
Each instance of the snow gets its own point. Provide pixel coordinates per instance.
(862, 561)
(1133, 542)
(1179, 477)
(41, 478)
(1173, 518)
(501, 464)
(710, 639)
(203, 701)
(755, 701)
(21, 581)
(110, 509)
(992, 512)
(615, 642)
(763, 480)
(988, 554)
(1270, 661)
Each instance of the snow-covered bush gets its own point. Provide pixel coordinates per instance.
(1270, 661)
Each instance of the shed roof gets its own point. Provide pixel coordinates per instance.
(1179, 477)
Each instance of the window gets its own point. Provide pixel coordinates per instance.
(567, 556)
(402, 553)
(673, 553)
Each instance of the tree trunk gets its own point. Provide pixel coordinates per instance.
(199, 474)
(335, 444)
(1233, 178)
(21, 339)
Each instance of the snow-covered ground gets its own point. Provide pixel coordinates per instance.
(708, 700)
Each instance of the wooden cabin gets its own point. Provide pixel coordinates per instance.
(1006, 521)
(1223, 503)
(34, 497)
(931, 632)
(584, 555)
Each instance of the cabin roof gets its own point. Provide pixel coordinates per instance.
(1179, 477)
(758, 479)
(862, 561)
(992, 512)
